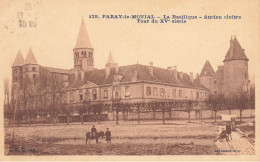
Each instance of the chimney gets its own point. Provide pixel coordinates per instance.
(82, 75)
(169, 69)
(191, 76)
(175, 72)
(151, 68)
(76, 75)
(107, 70)
(116, 68)
(197, 75)
(181, 75)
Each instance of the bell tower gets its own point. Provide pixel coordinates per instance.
(83, 51)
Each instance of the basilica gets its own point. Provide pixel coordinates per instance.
(131, 83)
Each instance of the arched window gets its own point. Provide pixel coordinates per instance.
(94, 93)
(162, 92)
(80, 96)
(87, 94)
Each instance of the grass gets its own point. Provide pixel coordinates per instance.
(128, 138)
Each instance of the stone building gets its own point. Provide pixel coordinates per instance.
(131, 83)
(230, 78)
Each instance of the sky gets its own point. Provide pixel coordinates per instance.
(186, 46)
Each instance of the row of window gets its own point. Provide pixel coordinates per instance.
(23, 69)
(84, 54)
(93, 95)
(90, 62)
(15, 78)
(153, 91)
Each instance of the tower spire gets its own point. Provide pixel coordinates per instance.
(30, 58)
(19, 60)
(110, 59)
(83, 38)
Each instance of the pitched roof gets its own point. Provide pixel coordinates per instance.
(235, 51)
(30, 58)
(57, 70)
(160, 75)
(83, 38)
(110, 59)
(19, 60)
(207, 69)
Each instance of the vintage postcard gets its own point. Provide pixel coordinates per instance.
(129, 80)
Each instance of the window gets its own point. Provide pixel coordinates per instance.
(94, 93)
(168, 93)
(191, 94)
(87, 94)
(174, 93)
(200, 94)
(155, 91)
(245, 76)
(148, 91)
(127, 91)
(105, 93)
(215, 92)
(205, 94)
(116, 94)
(80, 96)
(14, 79)
(215, 81)
(180, 93)
(34, 76)
(71, 96)
(162, 92)
(34, 69)
(15, 71)
(84, 53)
(197, 95)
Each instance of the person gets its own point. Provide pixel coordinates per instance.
(228, 130)
(108, 136)
(221, 134)
(93, 131)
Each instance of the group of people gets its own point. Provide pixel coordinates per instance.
(107, 133)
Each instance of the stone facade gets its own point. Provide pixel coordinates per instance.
(230, 78)
(131, 83)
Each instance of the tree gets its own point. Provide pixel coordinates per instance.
(7, 112)
(138, 105)
(241, 101)
(215, 103)
(252, 97)
(229, 104)
(82, 108)
(116, 106)
(189, 107)
(68, 110)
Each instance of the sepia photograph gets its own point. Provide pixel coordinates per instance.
(129, 78)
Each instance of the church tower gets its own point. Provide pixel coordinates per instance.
(83, 51)
(17, 69)
(30, 67)
(206, 75)
(235, 69)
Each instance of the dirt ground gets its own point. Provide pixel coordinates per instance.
(128, 138)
